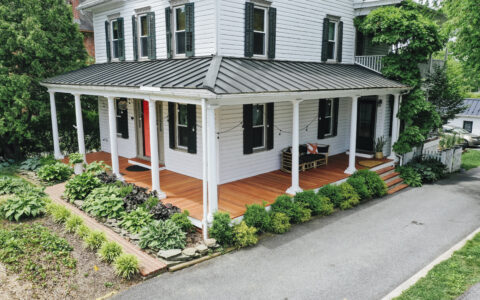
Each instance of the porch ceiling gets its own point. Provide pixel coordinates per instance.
(227, 76)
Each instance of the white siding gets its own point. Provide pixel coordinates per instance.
(458, 121)
(299, 28)
(126, 147)
(235, 165)
(204, 27)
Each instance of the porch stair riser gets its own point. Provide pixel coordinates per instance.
(392, 179)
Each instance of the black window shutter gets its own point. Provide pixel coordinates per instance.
(152, 41)
(168, 27)
(336, 103)
(340, 42)
(192, 128)
(248, 129)
(190, 29)
(322, 110)
(249, 7)
(270, 125)
(325, 40)
(272, 32)
(107, 40)
(135, 37)
(171, 124)
(121, 40)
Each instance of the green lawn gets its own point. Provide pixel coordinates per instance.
(471, 159)
(451, 278)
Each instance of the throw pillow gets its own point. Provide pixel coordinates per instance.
(312, 148)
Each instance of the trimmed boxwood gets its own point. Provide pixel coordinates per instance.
(297, 212)
(376, 186)
(319, 205)
(258, 217)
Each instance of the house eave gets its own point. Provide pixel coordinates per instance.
(363, 8)
(97, 4)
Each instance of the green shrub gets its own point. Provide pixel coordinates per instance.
(162, 235)
(350, 197)
(429, 169)
(72, 223)
(75, 158)
(59, 213)
(244, 235)
(80, 186)
(182, 220)
(55, 173)
(110, 251)
(97, 167)
(104, 202)
(258, 217)
(82, 231)
(360, 186)
(332, 192)
(319, 205)
(21, 206)
(295, 211)
(410, 176)
(135, 220)
(95, 239)
(10, 186)
(280, 223)
(31, 164)
(126, 266)
(221, 229)
(376, 186)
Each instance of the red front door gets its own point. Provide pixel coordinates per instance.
(146, 129)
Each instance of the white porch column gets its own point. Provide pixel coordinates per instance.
(152, 109)
(395, 123)
(80, 134)
(353, 137)
(112, 124)
(56, 141)
(212, 162)
(295, 188)
(204, 170)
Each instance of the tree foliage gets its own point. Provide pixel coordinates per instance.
(414, 36)
(38, 40)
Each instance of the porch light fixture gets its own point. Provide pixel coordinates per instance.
(379, 102)
(150, 89)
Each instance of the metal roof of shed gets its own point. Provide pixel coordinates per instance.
(473, 107)
(226, 75)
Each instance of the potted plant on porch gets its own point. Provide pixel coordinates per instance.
(379, 144)
(76, 159)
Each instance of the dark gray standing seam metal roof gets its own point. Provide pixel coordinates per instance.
(473, 107)
(226, 75)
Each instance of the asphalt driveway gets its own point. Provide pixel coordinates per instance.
(363, 253)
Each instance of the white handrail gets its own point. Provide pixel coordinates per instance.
(371, 62)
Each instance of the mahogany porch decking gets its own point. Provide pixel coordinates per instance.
(186, 192)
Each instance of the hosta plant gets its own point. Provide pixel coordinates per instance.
(80, 186)
(97, 167)
(134, 221)
(9, 186)
(104, 202)
(126, 266)
(110, 251)
(55, 172)
(162, 235)
(21, 206)
(75, 158)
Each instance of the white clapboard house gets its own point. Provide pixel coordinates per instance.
(209, 94)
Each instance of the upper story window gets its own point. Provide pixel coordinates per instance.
(332, 44)
(143, 36)
(260, 30)
(115, 39)
(180, 29)
(144, 41)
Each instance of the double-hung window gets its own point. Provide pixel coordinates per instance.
(143, 34)
(328, 117)
(179, 30)
(468, 126)
(332, 40)
(259, 31)
(115, 39)
(182, 126)
(259, 126)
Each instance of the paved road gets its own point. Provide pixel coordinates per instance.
(358, 254)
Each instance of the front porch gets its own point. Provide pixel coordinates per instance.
(186, 192)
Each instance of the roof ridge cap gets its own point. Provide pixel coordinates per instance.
(212, 73)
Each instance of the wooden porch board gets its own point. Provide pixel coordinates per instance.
(186, 192)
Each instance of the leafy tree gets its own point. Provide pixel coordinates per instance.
(414, 35)
(38, 40)
(445, 93)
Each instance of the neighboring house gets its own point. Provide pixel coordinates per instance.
(216, 89)
(470, 118)
(84, 20)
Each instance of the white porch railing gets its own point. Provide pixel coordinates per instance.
(371, 62)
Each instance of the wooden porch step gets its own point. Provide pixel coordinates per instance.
(389, 176)
(397, 188)
(392, 183)
(385, 170)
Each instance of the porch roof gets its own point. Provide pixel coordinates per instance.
(227, 75)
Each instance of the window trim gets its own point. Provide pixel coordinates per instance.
(264, 125)
(265, 32)
(174, 34)
(139, 35)
(331, 117)
(335, 41)
(112, 40)
(177, 125)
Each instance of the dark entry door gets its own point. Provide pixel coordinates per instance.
(366, 125)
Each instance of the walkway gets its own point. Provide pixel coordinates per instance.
(358, 254)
